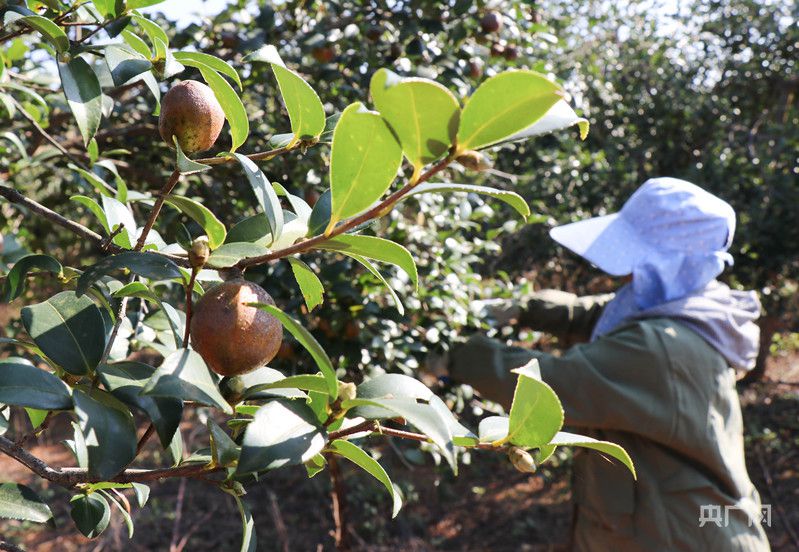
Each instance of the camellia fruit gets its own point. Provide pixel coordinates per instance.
(491, 22)
(191, 112)
(232, 337)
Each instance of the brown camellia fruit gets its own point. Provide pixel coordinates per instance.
(191, 112)
(232, 337)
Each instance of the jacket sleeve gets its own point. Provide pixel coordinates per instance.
(563, 314)
(620, 381)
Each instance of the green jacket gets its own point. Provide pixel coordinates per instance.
(660, 391)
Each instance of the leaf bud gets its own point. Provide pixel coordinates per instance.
(347, 391)
(521, 460)
(474, 161)
(199, 253)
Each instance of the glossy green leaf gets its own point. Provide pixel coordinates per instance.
(536, 414)
(231, 104)
(117, 214)
(358, 456)
(108, 429)
(51, 31)
(308, 382)
(22, 384)
(320, 215)
(559, 116)
(138, 45)
(142, 492)
(185, 165)
(84, 96)
(563, 438)
(91, 513)
(184, 375)
(308, 341)
(36, 416)
(197, 59)
(140, 290)
(256, 385)
(125, 63)
(423, 114)
(265, 194)
(513, 199)
(99, 185)
(16, 277)
(493, 428)
(504, 105)
(249, 542)
(306, 112)
(311, 287)
(375, 248)
(94, 207)
(147, 265)
(156, 34)
(69, 330)
(364, 161)
(224, 450)
(122, 511)
(254, 228)
(20, 502)
(376, 273)
(281, 433)
(125, 380)
(203, 216)
(229, 254)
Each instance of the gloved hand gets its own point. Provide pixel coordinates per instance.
(499, 312)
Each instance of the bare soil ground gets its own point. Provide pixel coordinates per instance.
(489, 506)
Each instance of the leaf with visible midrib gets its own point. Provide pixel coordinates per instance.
(536, 414)
(306, 112)
(20, 502)
(22, 384)
(84, 95)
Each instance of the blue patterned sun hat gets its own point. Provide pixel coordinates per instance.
(671, 235)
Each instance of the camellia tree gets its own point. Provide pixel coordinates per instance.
(186, 297)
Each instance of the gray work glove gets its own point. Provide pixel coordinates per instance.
(499, 312)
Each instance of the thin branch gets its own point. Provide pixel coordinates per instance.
(375, 212)
(69, 477)
(144, 438)
(337, 495)
(159, 202)
(259, 156)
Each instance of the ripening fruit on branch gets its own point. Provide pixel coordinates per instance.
(191, 112)
(491, 22)
(232, 337)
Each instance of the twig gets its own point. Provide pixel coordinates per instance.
(375, 212)
(159, 202)
(37, 430)
(145, 436)
(337, 501)
(173, 544)
(277, 518)
(69, 477)
(259, 156)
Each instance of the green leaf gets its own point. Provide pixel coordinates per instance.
(199, 59)
(69, 330)
(559, 116)
(513, 199)
(375, 248)
(184, 375)
(423, 114)
(536, 414)
(504, 105)
(309, 382)
(261, 378)
(224, 451)
(493, 428)
(308, 341)
(122, 511)
(140, 290)
(425, 417)
(311, 287)
(156, 34)
(306, 112)
(147, 265)
(265, 194)
(231, 104)
(23, 384)
(142, 493)
(20, 502)
(250, 229)
(315, 465)
(563, 438)
(125, 380)
(91, 514)
(361, 458)
(185, 165)
(376, 273)
(231, 253)
(117, 214)
(37, 416)
(249, 542)
(107, 426)
(281, 433)
(320, 215)
(84, 96)
(52, 32)
(15, 279)
(125, 63)
(203, 216)
(94, 207)
(136, 43)
(364, 161)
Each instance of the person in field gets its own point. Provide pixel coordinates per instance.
(656, 374)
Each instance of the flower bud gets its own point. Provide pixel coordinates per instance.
(521, 460)
(474, 161)
(346, 391)
(200, 251)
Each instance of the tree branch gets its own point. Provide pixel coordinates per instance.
(259, 156)
(159, 202)
(375, 212)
